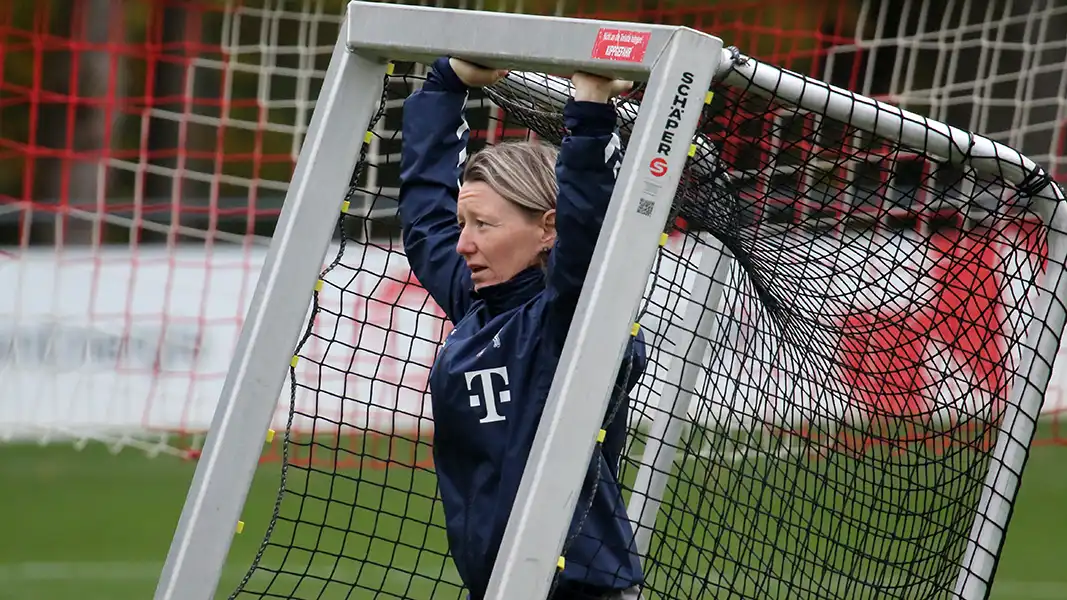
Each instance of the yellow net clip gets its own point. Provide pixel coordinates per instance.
(344, 207)
(318, 286)
(635, 329)
(270, 435)
(367, 137)
(295, 360)
(240, 526)
(663, 237)
(562, 562)
(389, 68)
(708, 97)
(601, 435)
(692, 149)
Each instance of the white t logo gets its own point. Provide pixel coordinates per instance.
(492, 397)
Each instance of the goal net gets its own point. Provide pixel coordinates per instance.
(861, 373)
(141, 214)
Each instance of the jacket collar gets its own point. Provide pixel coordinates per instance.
(514, 292)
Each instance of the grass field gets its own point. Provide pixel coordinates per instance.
(96, 526)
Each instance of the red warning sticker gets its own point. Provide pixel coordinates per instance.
(621, 44)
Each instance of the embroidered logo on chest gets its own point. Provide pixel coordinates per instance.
(495, 344)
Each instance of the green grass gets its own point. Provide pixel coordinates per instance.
(96, 526)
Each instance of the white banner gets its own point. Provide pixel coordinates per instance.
(111, 339)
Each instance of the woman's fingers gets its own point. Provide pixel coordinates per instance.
(594, 88)
(473, 75)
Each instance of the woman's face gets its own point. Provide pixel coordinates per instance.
(498, 238)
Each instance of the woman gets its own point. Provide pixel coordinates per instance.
(505, 253)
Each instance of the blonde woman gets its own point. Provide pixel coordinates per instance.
(502, 241)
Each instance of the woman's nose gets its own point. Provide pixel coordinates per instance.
(465, 246)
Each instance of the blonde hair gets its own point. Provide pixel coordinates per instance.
(523, 173)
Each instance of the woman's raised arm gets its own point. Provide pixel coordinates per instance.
(586, 170)
(435, 136)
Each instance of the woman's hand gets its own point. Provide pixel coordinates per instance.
(473, 75)
(594, 88)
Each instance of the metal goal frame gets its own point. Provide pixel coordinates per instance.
(679, 65)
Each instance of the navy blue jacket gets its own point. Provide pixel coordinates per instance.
(491, 377)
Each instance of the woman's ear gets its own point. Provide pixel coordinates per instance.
(548, 227)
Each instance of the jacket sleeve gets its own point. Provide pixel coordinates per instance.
(586, 170)
(435, 136)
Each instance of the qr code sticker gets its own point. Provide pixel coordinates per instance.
(644, 207)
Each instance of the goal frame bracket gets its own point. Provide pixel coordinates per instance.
(677, 62)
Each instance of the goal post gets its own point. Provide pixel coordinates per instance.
(690, 341)
(675, 63)
(277, 313)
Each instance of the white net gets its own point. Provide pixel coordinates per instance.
(133, 231)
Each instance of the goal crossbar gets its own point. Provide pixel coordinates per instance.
(499, 40)
(678, 64)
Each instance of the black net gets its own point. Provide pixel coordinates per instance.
(358, 514)
(867, 335)
(865, 347)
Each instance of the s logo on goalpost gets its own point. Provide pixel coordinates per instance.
(658, 166)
